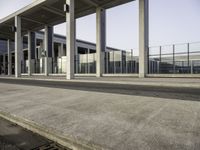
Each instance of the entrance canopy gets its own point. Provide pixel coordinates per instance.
(50, 12)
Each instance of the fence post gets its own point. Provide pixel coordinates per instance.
(191, 68)
(114, 62)
(126, 64)
(88, 71)
(150, 66)
(158, 67)
(131, 61)
(188, 55)
(107, 61)
(160, 62)
(148, 61)
(174, 59)
(121, 63)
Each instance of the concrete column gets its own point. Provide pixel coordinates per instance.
(18, 46)
(48, 47)
(71, 39)
(60, 50)
(22, 58)
(121, 62)
(143, 37)
(101, 40)
(31, 51)
(77, 60)
(9, 58)
(4, 64)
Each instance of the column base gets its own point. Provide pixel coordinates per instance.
(17, 76)
(142, 75)
(69, 77)
(99, 75)
(48, 66)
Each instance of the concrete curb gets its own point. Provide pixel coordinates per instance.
(155, 84)
(72, 144)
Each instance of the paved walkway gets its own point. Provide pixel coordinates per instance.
(95, 120)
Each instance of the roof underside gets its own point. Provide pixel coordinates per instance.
(50, 12)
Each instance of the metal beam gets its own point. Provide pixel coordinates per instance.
(92, 2)
(53, 10)
(7, 34)
(34, 21)
(10, 26)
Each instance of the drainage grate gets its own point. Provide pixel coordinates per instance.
(4, 145)
(51, 146)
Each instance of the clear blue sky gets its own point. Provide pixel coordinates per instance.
(171, 21)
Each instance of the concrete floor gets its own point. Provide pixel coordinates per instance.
(109, 120)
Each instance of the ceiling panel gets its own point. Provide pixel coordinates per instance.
(50, 12)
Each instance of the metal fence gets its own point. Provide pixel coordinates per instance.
(3, 65)
(85, 63)
(116, 62)
(168, 59)
(121, 62)
(175, 59)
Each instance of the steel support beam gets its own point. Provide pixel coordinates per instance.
(92, 2)
(143, 37)
(32, 20)
(53, 10)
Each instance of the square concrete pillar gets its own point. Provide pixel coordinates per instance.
(60, 50)
(4, 64)
(48, 47)
(71, 39)
(143, 37)
(9, 58)
(31, 51)
(101, 40)
(18, 46)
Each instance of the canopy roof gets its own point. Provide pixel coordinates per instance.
(50, 12)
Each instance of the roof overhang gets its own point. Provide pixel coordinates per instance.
(50, 12)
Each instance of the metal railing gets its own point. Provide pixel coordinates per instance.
(85, 63)
(175, 59)
(116, 62)
(168, 59)
(121, 62)
(39, 66)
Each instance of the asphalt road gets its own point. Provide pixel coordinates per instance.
(191, 94)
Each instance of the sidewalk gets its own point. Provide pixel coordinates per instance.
(84, 120)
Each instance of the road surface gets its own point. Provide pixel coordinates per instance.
(192, 94)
